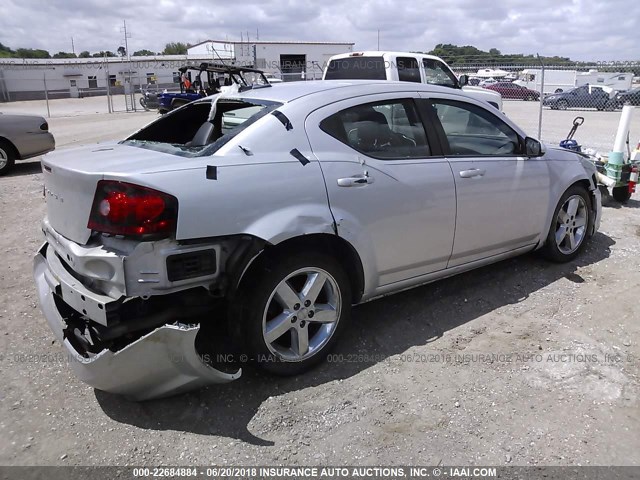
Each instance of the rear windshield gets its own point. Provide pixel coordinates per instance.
(178, 132)
(356, 68)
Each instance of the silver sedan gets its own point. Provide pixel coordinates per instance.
(317, 197)
(23, 137)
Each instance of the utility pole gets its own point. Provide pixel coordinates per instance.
(73, 49)
(126, 47)
(378, 39)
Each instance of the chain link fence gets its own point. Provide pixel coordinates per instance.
(542, 98)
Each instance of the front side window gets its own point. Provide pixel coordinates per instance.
(385, 130)
(437, 73)
(473, 131)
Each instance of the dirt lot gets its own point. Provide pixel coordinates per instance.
(523, 362)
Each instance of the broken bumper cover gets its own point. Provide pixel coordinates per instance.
(161, 363)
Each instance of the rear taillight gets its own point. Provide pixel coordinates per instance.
(122, 208)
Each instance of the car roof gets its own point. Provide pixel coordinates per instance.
(288, 91)
(381, 53)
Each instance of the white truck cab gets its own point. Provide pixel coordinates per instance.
(403, 66)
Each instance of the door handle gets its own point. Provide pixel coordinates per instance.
(472, 172)
(355, 181)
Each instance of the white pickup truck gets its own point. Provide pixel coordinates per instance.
(403, 66)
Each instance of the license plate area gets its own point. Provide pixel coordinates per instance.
(95, 306)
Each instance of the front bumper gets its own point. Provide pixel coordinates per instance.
(163, 362)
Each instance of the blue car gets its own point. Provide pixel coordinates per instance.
(218, 76)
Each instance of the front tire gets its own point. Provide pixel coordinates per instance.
(289, 315)
(571, 226)
(562, 104)
(7, 157)
(621, 194)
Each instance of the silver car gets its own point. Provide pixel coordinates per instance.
(22, 137)
(194, 242)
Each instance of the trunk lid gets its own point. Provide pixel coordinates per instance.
(71, 176)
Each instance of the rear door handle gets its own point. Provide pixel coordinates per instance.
(355, 181)
(472, 172)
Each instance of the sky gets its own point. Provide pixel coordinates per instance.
(580, 29)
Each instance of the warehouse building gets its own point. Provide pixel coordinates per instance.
(29, 79)
(286, 60)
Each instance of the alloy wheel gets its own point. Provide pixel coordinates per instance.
(302, 314)
(571, 224)
(4, 159)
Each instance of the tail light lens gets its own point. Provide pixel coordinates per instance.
(122, 208)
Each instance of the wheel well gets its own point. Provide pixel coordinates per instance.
(6, 141)
(330, 244)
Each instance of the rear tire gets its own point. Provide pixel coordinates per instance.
(570, 226)
(562, 104)
(621, 194)
(7, 157)
(290, 313)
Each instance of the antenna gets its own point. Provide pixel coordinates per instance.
(126, 37)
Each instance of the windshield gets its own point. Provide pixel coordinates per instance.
(356, 68)
(191, 132)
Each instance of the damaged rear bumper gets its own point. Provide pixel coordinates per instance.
(159, 363)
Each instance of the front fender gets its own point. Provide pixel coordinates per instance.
(563, 174)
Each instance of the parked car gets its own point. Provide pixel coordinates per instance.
(628, 97)
(329, 195)
(403, 67)
(513, 91)
(585, 96)
(488, 81)
(22, 137)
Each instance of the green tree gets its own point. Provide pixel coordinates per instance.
(122, 52)
(6, 51)
(84, 54)
(142, 53)
(64, 55)
(102, 53)
(32, 53)
(175, 48)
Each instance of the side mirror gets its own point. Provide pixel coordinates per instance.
(463, 80)
(533, 148)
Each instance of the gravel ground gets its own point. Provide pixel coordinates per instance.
(521, 363)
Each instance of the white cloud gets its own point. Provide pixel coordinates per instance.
(581, 29)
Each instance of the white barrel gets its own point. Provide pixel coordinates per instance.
(623, 128)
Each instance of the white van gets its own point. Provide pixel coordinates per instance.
(403, 66)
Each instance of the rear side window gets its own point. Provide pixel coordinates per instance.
(385, 130)
(473, 131)
(408, 70)
(356, 68)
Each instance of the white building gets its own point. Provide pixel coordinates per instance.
(288, 60)
(27, 79)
